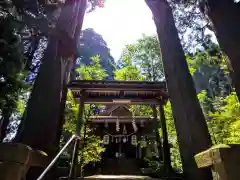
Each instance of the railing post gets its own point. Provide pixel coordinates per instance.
(56, 157)
(74, 161)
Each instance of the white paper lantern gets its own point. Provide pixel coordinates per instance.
(106, 139)
(134, 140)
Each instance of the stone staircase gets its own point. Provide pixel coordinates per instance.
(120, 177)
(121, 169)
(121, 166)
(114, 177)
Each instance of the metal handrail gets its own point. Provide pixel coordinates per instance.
(57, 156)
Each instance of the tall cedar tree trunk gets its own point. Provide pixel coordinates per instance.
(191, 127)
(42, 123)
(4, 124)
(225, 16)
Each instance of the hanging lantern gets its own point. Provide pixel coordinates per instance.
(106, 139)
(134, 140)
(124, 140)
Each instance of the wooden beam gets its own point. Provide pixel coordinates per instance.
(120, 100)
(120, 117)
(120, 120)
(109, 100)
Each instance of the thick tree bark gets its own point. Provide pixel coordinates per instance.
(40, 127)
(4, 124)
(42, 114)
(192, 132)
(225, 16)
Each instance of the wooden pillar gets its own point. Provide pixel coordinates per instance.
(156, 127)
(191, 127)
(166, 148)
(74, 161)
(40, 126)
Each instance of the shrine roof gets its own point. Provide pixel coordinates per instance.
(119, 92)
(112, 108)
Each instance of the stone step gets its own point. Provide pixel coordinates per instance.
(114, 177)
(118, 177)
(121, 166)
(121, 177)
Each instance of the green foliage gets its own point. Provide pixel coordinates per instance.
(70, 114)
(93, 71)
(142, 61)
(154, 167)
(12, 74)
(92, 150)
(146, 55)
(11, 64)
(141, 110)
(210, 73)
(20, 107)
(172, 137)
(209, 70)
(129, 71)
(92, 44)
(90, 143)
(224, 123)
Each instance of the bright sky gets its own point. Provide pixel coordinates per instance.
(121, 22)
